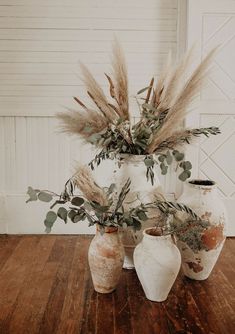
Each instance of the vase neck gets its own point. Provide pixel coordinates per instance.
(156, 239)
(106, 229)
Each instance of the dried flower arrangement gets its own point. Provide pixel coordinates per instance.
(98, 205)
(157, 135)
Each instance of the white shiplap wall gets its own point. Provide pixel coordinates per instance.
(41, 44)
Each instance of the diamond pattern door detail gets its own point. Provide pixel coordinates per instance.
(216, 158)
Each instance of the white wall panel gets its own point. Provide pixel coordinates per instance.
(212, 24)
(41, 44)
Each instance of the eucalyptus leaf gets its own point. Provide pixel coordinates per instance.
(136, 224)
(149, 162)
(169, 158)
(164, 168)
(44, 196)
(77, 218)
(142, 215)
(62, 213)
(187, 165)
(48, 224)
(51, 217)
(184, 175)
(72, 213)
(143, 90)
(49, 221)
(48, 229)
(77, 201)
(161, 158)
(32, 195)
(178, 156)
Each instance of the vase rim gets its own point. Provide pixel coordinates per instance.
(202, 183)
(155, 236)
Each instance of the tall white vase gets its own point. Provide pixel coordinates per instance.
(157, 263)
(200, 248)
(141, 190)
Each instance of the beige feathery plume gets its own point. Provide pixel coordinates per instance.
(162, 80)
(84, 124)
(85, 182)
(177, 112)
(97, 95)
(176, 140)
(120, 81)
(175, 82)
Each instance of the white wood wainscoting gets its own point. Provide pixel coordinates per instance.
(41, 44)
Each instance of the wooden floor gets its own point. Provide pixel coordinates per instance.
(45, 287)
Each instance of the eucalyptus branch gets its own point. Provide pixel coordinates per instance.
(184, 136)
(172, 207)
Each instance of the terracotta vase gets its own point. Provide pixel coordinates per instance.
(157, 263)
(141, 190)
(200, 246)
(105, 257)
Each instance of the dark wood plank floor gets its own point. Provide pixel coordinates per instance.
(45, 287)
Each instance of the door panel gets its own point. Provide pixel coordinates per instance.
(211, 24)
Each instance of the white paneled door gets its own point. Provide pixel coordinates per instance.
(211, 23)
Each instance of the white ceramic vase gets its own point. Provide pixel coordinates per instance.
(141, 190)
(157, 263)
(200, 248)
(105, 257)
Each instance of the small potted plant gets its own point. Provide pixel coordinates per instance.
(102, 207)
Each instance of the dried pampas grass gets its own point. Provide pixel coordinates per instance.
(107, 113)
(83, 123)
(97, 95)
(161, 82)
(176, 113)
(84, 180)
(173, 81)
(120, 86)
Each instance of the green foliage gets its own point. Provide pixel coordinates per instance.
(123, 137)
(32, 195)
(44, 196)
(177, 155)
(184, 175)
(78, 209)
(143, 90)
(49, 221)
(190, 232)
(168, 207)
(62, 213)
(78, 201)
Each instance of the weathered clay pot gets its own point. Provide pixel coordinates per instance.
(157, 263)
(141, 190)
(105, 256)
(201, 247)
